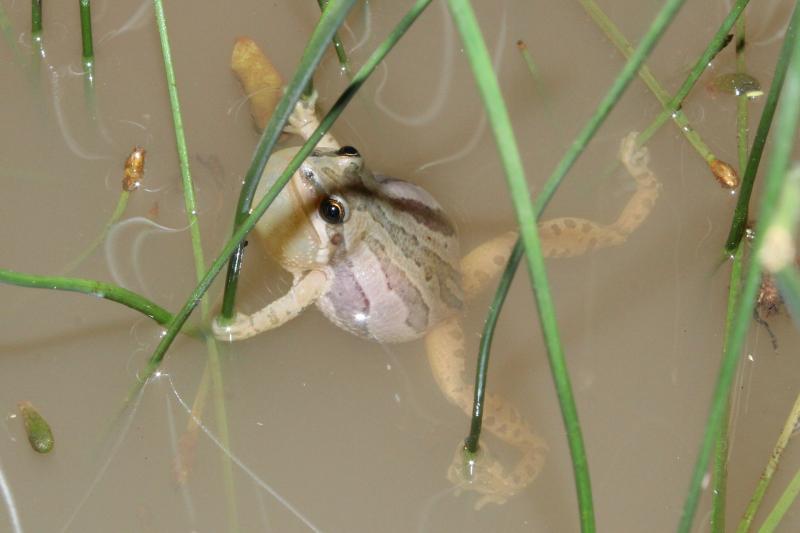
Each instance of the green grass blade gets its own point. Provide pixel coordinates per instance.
(481, 64)
(471, 442)
(332, 17)
(784, 502)
(654, 33)
(190, 205)
(96, 288)
(770, 468)
(338, 45)
(741, 212)
(782, 147)
(249, 222)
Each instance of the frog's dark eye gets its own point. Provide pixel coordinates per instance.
(333, 210)
(348, 151)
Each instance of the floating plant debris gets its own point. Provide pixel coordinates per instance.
(134, 169)
(737, 84)
(39, 433)
(726, 175)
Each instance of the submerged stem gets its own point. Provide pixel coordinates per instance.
(770, 468)
(338, 45)
(100, 289)
(740, 214)
(782, 148)
(199, 263)
(480, 61)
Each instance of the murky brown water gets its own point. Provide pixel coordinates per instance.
(350, 435)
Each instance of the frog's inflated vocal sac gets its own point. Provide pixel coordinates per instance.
(380, 258)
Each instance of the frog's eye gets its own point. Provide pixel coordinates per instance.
(348, 151)
(333, 210)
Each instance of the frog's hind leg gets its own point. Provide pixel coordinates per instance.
(305, 290)
(485, 475)
(484, 263)
(570, 237)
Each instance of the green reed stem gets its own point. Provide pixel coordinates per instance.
(332, 17)
(481, 65)
(770, 468)
(86, 32)
(656, 30)
(338, 45)
(36, 28)
(739, 223)
(742, 116)
(87, 54)
(119, 210)
(471, 442)
(782, 147)
(241, 231)
(624, 46)
(190, 204)
(717, 43)
(544, 96)
(784, 503)
(720, 472)
(92, 287)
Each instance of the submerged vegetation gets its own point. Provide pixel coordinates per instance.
(773, 249)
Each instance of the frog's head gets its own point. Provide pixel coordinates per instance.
(309, 220)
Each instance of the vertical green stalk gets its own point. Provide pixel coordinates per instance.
(338, 45)
(86, 33)
(784, 502)
(332, 17)
(739, 223)
(199, 262)
(721, 449)
(623, 79)
(471, 442)
(87, 56)
(720, 473)
(36, 34)
(481, 64)
(770, 468)
(782, 148)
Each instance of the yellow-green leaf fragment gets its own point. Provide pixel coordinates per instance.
(39, 433)
(737, 84)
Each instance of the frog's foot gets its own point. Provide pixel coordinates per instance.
(635, 158)
(481, 472)
(303, 121)
(305, 290)
(485, 475)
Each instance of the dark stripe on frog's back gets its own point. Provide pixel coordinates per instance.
(430, 216)
(447, 280)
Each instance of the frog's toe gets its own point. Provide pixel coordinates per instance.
(481, 473)
(636, 158)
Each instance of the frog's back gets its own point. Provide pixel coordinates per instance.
(402, 278)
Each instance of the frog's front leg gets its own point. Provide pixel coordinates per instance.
(303, 121)
(306, 289)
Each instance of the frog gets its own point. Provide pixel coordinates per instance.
(380, 258)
